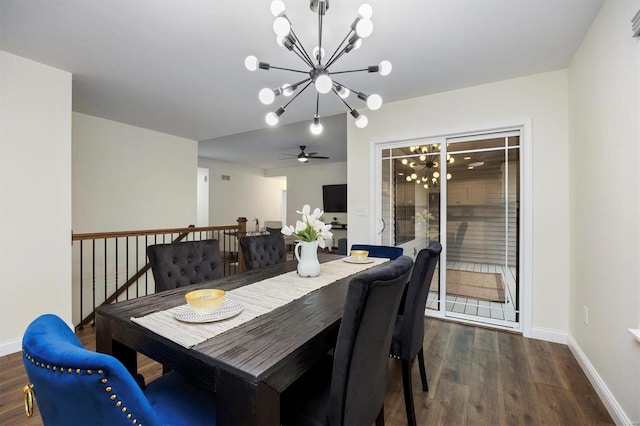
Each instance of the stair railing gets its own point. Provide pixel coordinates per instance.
(113, 266)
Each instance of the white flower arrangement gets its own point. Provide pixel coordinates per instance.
(310, 228)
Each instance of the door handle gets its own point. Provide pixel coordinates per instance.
(384, 225)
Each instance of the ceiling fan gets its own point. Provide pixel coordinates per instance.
(304, 157)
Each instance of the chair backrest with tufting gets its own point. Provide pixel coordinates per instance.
(263, 250)
(180, 264)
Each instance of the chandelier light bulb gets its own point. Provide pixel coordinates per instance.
(343, 92)
(364, 28)
(280, 41)
(423, 157)
(271, 119)
(266, 96)
(414, 176)
(362, 121)
(316, 126)
(357, 44)
(426, 186)
(251, 63)
(277, 8)
(424, 178)
(404, 161)
(436, 175)
(385, 68)
(374, 102)
(281, 26)
(315, 53)
(448, 176)
(365, 11)
(287, 89)
(323, 83)
(408, 178)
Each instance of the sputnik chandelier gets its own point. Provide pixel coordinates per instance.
(428, 159)
(319, 73)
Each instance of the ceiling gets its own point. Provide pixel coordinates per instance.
(177, 67)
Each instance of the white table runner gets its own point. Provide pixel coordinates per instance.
(257, 299)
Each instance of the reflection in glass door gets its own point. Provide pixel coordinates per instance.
(464, 192)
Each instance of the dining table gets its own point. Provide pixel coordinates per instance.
(288, 323)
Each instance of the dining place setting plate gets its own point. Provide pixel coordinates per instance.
(354, 260)
(228, 308)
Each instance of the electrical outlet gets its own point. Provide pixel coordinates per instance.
(585, 315)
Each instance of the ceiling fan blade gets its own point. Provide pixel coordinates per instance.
(318, 157)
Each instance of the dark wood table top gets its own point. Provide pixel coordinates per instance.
(273, 349)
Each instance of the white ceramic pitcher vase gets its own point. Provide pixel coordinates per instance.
(307, 255)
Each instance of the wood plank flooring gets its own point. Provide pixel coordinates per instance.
(476, 376)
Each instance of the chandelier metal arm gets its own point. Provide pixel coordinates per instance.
(301, 54)
(295, 86)
(340, 97)
(331, 60)
(298, 44)
(320, 13)
(338, 56)
(348, 71)
(346, 87)
(288, 69)
(297, 94)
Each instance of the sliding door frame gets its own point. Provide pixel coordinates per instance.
(526, 206)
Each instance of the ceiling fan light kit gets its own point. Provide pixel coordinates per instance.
(304, 157)
(318, 73)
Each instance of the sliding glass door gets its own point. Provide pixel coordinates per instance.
(465, 193)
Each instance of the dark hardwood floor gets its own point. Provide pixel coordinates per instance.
(476, 376)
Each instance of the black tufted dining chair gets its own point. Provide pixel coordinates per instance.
(180, 264)
(408, 332)
(263, 250)
(350, 388)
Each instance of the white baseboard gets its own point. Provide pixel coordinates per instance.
(548, 335)
(10, 347)
(609, 401)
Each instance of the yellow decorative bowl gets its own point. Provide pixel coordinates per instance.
(204, 301)
(359, 254)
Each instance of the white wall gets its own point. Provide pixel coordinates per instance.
(35, 195)
(128, 178)
(304, 186)
(248, 193)
(604, 105)
(542, 99)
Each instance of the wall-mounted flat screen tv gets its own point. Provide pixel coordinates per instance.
(334, 198)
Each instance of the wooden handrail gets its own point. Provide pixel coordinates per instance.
(119, 234)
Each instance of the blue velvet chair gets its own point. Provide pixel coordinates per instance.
(350, 388)
(74, 386)
(408, 332)
(380, 251)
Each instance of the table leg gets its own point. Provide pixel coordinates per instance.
(243, 403)
(105, 344)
